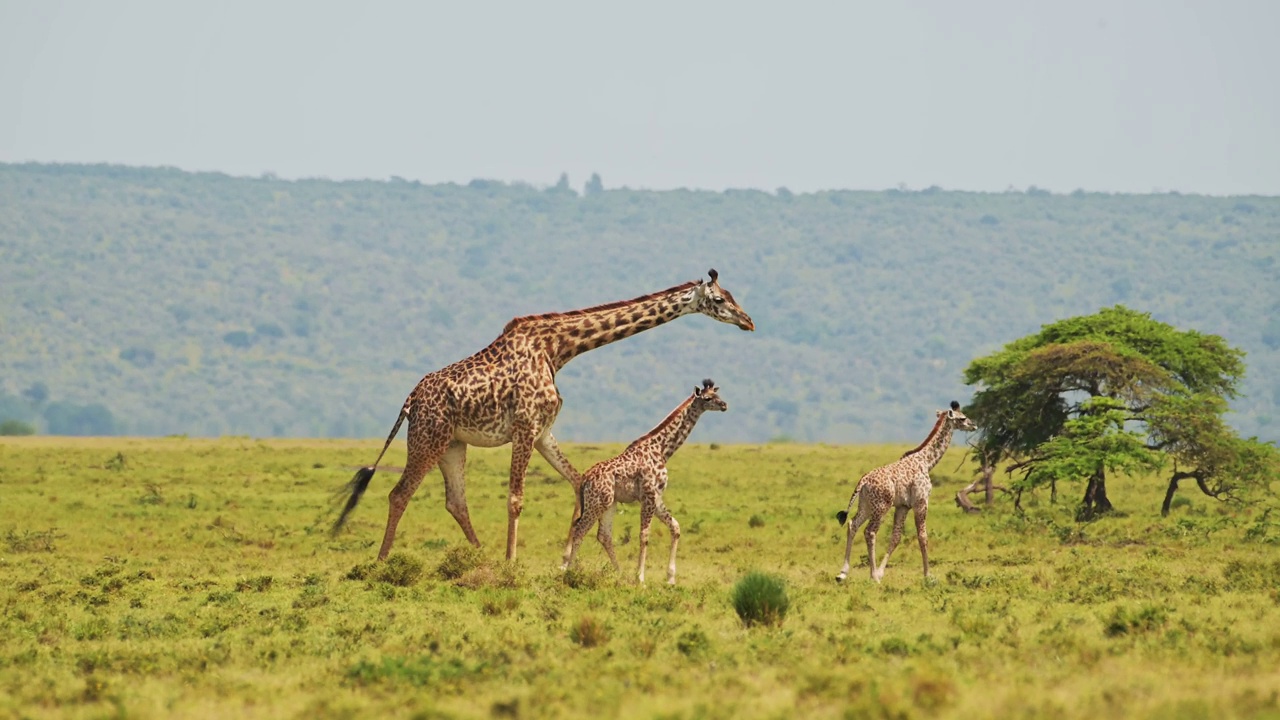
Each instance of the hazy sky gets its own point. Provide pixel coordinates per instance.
(1127, 96)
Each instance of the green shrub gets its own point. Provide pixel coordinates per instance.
(400, 570)
(760, 599)
(458, 561)
(16, 427)
(362, 571)
(895, 646)
(755, 521)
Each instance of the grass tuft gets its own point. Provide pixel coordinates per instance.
(580, 578)
(262, 583)
(693, 644)
(760, 599)
(589, 632)
(1125, 621)
(458, 561)
(28, 541)
(400, 569)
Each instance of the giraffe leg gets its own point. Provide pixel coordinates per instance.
(521, 451)
(674, 526)
(922, 534)
(854, 523)
(646, 519)
(899, 522)
(425, 450)
(873, 525)
(605, 535)
(452, 466)
(550, 451)
(578, 531)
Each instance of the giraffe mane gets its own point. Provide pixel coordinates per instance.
(936, 427)
(666, 421)
(595, 308)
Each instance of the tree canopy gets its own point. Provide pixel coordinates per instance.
(1115, 392)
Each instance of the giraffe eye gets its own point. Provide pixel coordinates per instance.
(719, 301)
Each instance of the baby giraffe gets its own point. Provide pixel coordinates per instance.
(639, 473)
(902, 485)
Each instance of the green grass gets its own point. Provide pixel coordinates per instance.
(175, 577)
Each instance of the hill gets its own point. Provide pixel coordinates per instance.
(156, 301)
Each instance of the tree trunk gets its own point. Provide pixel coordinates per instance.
(1095, 501)
(962, 497)
(1168, 495)
(1178, 475)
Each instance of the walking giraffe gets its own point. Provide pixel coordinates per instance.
(639, 473)
(506, 393)
(903, 485)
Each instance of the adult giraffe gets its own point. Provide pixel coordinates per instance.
(506, 393)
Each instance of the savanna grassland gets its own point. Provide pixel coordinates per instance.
(195, 578)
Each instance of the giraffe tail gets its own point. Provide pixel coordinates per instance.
(577, 507)
(577, 500)
(354, 489)
(843, 515)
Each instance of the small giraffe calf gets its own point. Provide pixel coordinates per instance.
(639, 473)
(902, 485)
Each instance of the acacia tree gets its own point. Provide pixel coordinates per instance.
(1116, 391)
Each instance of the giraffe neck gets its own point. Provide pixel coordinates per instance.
(935, 444)
(569, 334)
(671, 433)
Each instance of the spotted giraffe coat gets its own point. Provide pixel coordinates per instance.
(506, 393)
(902, 485)
(639, 474)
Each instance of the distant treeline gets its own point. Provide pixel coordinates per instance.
(156, 301)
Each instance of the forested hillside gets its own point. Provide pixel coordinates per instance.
(155, 301)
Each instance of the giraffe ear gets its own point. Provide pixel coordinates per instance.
(714, 275)
(697, 391)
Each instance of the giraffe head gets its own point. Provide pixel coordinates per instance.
(714, 301)
(956, 419)
(707, 397)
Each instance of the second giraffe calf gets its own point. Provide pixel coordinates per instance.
(639, 474)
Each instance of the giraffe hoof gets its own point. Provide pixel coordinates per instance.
(840, 578)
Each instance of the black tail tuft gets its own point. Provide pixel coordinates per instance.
(842, 516)
(356, 488)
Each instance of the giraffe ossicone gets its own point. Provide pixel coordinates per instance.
(903, 485)
(639, 474)
(506, 393)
